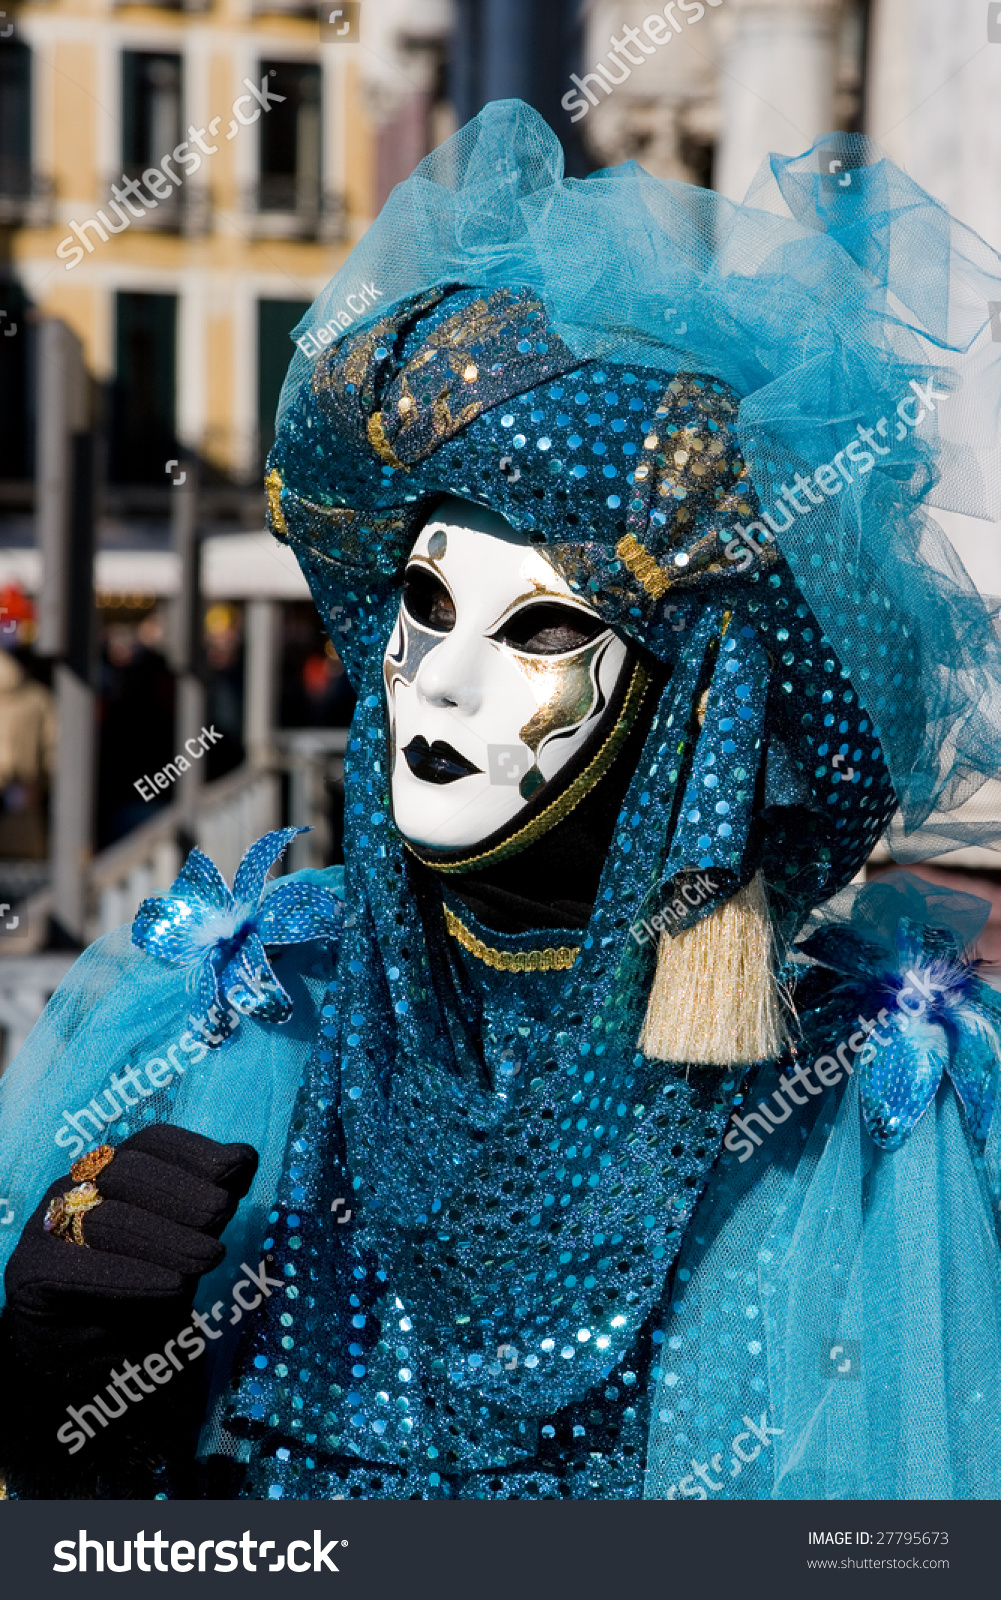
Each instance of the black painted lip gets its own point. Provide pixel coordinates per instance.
(437, 762)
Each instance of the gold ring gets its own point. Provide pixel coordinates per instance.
(88, 1166)
(64, 1215)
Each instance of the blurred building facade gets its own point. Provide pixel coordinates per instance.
(732, 80)
(183, 284)
(178, 182)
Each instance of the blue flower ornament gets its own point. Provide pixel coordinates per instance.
(903, 979)
(222, 934)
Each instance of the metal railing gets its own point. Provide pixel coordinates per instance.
(314, 761)
(227, 817)
(279, 208)
(223, 820)
(186, 210)
(25, 199)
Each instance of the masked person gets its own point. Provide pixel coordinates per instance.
(612, 505)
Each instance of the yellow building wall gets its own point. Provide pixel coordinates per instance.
(228, 267)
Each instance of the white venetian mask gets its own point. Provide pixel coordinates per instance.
(497, 675)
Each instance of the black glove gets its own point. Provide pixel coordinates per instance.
(74, 1313)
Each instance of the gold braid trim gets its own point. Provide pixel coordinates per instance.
(571, 797)
(558, 960)
(273, 485)
(654, 578)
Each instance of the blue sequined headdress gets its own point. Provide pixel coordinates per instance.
(696, 406)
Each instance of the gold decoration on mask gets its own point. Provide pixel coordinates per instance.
(566, 690)
(559, 959)
(562, 806)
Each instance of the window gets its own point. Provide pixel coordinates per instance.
(275, 321)
(16, 387)
(143, 436)
(15, 121)
(151, 125)
(290, 140)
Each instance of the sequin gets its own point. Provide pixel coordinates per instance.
(220, 934)
(520, 1177)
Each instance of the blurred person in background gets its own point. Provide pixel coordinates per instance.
(315, 692)
(326, 689)
(223, 636)
(137, 722)
(27, 738)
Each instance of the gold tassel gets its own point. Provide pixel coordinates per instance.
(714, 999)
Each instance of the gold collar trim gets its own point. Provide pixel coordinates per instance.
(565, 803)
(559, 960)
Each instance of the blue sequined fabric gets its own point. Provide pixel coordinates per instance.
(518, 1176)
(219, 934)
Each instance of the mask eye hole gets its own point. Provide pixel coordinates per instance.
(549, 630)
(427, 601)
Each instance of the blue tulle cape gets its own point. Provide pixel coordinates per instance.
(120, 1007)
(825, 1244)
(834, 1326)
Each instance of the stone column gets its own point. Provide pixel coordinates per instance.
(67, 467)
(777, 83)
(934, 87)
(262, 657)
